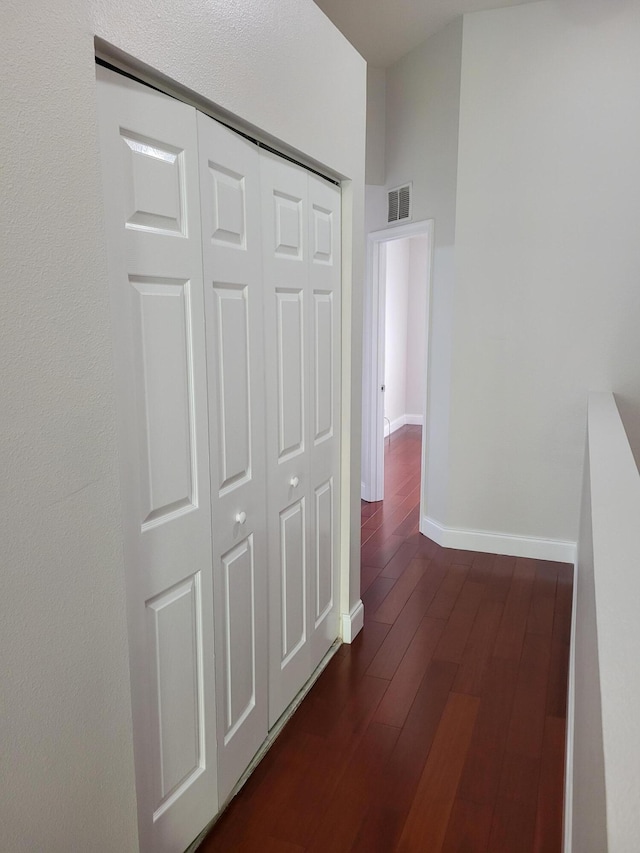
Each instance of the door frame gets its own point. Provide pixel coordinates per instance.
(373, 358)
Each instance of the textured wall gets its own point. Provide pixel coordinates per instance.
(547, 257)
(67, 763)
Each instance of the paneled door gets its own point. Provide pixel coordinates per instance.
(232, 251)
(323, 428)
(150, 169)
(301, 224)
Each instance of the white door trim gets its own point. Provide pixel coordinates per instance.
(373, 361)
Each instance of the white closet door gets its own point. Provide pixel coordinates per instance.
(232, 251)
(150, 170)
(323, 426)
(286, 293)
(301, 238)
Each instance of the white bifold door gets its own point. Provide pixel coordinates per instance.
(152, 204)
(224, 268)
(230, 195)
(301, 227)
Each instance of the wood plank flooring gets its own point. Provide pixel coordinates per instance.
(442, 727)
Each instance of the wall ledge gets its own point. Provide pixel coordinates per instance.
(615, 524)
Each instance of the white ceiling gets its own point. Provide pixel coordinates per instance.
(384, 30)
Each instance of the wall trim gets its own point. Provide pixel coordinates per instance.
(392, 426)
(353, 622)
(414, 419)
(567, 817)
(498, 543)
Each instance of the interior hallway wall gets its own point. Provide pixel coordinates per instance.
(547, 302)
(423, 99)
(532, 174)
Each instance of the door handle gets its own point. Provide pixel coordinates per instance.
(241, 517)
(294, 481)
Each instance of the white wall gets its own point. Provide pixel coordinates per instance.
(67, 766)
(547, 298)
(395, 337)
(376, 127)
(423, 93)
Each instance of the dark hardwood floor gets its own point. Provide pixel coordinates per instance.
(442, 727)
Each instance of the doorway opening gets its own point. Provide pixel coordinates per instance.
(396, 347)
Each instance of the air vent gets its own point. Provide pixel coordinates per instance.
(399, 207)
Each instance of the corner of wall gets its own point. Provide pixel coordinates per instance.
(353, 622)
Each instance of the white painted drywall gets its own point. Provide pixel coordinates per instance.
(376, 126)
(606, 771)
(547, 298)
(395, 329)
(67, 767)
(417, 325)
(422, 94)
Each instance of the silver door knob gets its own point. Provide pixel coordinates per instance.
(241, 517)
(294, 481)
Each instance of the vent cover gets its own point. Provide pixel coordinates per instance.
(399, 207)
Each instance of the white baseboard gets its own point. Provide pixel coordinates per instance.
(392, 426)
(400, 422)
(571, 722)
(499, 543)
(352, 623)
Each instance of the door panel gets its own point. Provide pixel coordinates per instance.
(164, 385)
(322, 234)
(239, 648)
(232, 253)
(152, 214)
(154, 180)
(286, 292)
(174, 644)
(323, 338)
(301, 231)
(324, 434)
(324, 552)
(293, 574)
(290, 372)
(230, 345)
(288, 213)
